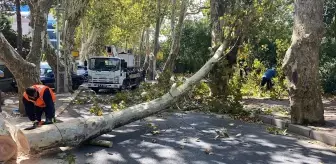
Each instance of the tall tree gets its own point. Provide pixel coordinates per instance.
(302, 61)
(159, 18)
(231, 31)
(19, 27)
(73, 12)
(175, 46)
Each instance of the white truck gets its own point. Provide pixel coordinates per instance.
(113, 73)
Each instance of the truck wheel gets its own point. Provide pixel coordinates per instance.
(75, 86)
(123, 87)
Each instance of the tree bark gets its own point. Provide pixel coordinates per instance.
(172, 18)
(175, 47)
(12, 140)
(19, 28)
(52, 57)
(87, 46)
(301, 63)
(146, 61)
(156, 40)
(140, 53)
(82, 129)
(216, 11)
(39, 13)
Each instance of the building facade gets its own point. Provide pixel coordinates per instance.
(27, 30)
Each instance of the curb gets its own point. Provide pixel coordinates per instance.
(322, 136)
(66, 105)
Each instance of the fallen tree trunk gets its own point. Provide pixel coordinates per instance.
(81, 129)
(11, 140)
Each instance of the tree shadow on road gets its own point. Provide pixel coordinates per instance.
(191, 139)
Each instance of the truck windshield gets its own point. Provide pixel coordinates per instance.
(104, 64)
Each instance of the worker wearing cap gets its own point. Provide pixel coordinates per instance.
(39, 99)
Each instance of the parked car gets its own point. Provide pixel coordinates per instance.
(47, 77)
(82, 71)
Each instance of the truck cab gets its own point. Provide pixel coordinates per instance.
(111, 73)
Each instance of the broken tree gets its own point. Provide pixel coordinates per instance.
(82, 129)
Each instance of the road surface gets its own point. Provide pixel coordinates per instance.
(190, 139)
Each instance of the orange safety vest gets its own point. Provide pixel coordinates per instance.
(40, 89)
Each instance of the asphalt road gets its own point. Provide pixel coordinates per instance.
(190, 139)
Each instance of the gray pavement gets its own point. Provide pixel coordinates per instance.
(186, 139)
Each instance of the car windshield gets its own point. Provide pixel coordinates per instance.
(44, 71)
(104, 64)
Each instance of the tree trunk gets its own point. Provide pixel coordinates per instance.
(40, 14)
(19, 28)
(82, 129)
(75, 10)
(87, 46)
(12, 140)
(301, 63)
(175, 47)
(172, 18)
(156, 40)
(223, 71)
(51, 56)
(216, 11)
(140, 53)
(68, 48)
(146, 61)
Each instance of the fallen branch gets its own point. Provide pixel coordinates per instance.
(77, 131)
(102, 143)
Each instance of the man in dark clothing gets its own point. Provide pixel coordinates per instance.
(267, 78)
(38, 99)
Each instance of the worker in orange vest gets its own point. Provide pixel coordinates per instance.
(38, 99)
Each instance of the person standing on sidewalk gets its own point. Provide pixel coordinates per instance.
(2, 74)
(39, 99)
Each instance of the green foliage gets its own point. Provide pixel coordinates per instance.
(195, 41)
(229, 103)
(251, 85)
(201, 92)
(96, 109)
(120, 100)
(328, 49)
(276, 131)
(117, 23)
(71, 159)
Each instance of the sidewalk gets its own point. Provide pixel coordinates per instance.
(12, 104)
(276, 113)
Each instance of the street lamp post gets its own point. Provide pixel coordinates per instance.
(58, 52)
